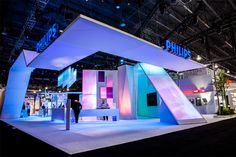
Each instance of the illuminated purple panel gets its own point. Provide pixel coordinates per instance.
(89, 89)
(109, 92)
(175, 100)
(110, 103)
(86, 36)
(89, 82)
(109, 81)
(101, 76)
(103, 92)
(89, 101)
(126, 97)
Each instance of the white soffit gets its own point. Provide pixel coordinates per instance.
(86, 36)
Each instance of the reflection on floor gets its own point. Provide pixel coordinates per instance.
(86, 136)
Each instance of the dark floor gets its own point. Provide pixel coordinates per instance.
(217, 139)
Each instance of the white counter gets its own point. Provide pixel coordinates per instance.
(59, 113)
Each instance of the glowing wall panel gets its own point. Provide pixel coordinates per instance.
(143, 87)
(109, 81)
(17, 84)
(89, 89)
(180, 107)
(67, 78)
(126, 92)
(103, 92)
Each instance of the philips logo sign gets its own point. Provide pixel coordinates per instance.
(177, 49)
(47, 38)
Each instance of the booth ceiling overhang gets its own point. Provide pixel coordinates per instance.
(86, 36)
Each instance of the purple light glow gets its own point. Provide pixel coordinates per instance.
(109, 81)
(89, 89)
(103, 92)
(101, 76)
(109, 92)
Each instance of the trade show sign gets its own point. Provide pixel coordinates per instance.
(177, 49)
(47, 38)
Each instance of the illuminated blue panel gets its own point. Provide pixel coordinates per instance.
(86, 36)
(72, 79)
(67, 78)
(17, 84)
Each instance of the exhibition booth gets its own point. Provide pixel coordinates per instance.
(132, 92)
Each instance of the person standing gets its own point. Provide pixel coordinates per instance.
(76, 106)
(105, 105)
(44, 111)
(28, 108)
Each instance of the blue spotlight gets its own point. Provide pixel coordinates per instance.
(122, 61)
(122, 24)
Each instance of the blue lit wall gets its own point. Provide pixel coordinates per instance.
(145, 86)
(17, 84)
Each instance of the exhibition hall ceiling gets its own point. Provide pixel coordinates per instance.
(205, 27)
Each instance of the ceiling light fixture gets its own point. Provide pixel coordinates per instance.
(198, 58)
(122, 24)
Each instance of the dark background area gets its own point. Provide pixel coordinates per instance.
(216, 139)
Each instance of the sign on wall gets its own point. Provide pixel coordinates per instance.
(177, 49)
(47, 39)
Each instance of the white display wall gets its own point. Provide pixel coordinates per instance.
(98, 85)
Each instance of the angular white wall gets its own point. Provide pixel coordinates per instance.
(17, 84)
(126, 87)
(176, 102)
(89, 89)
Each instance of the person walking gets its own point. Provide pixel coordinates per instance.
(76, 106)
(44, 111)
(28, 108)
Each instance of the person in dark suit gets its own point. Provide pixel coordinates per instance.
(76, 106)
